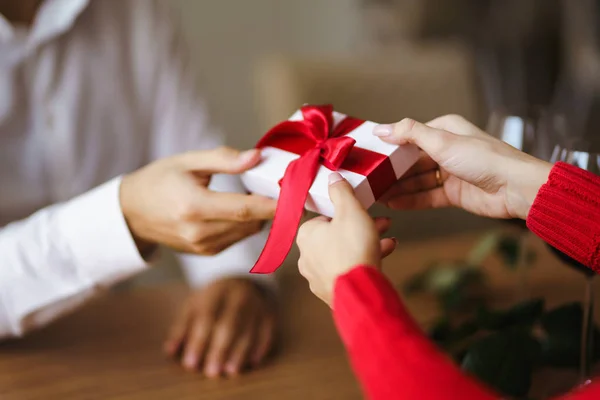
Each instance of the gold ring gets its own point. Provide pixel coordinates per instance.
(438, 178)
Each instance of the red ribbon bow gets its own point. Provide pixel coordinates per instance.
(318, 141)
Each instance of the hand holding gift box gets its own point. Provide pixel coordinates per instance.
(298, 156)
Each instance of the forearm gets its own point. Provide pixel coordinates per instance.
(389, 354)
(566, 214)
(58, 257)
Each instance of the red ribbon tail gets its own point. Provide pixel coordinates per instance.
(296, 182)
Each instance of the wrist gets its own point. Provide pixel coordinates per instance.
(528, 179)
(145, 247)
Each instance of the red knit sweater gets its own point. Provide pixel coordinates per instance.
(390, 355)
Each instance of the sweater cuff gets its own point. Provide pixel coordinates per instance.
(566, 212)
(96, 236)
(360, 297)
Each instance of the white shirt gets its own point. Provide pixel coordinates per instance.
(93, 90)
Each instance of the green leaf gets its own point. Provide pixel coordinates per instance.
(524, 313)
(561, 339)
(441, 331)
(446, 335)
(445, 277)
(505, 361)
(490, 319)
(483, 248)
(417, 283)
(531, 257)
(563, 319)
(561, 350)
(509, 249)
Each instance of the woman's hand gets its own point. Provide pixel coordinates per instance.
(330, 248)
(464, 167)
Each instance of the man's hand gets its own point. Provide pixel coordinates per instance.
(227, 326)
(168, 202)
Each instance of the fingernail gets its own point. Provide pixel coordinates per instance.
(334, 178)
(212, 370)
(190, 361)
(394, 240)
(247, 155)
(231, 369)
(383, 130)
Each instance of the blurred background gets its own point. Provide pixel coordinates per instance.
(525, 70)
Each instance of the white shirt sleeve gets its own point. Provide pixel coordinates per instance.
(60, 256)
(179, 122)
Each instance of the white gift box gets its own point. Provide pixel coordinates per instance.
(264, 178)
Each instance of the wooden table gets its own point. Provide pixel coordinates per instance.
(111, 348)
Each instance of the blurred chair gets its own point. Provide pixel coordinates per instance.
(420, 82)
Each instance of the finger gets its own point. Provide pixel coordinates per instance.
(342, 195)
(223, 160)
(382, 224)
(240, 352)
(455, 124)
(306, 229)
(435, 198)
(220, 344)
(424, 164)
(177, 333)
(432, 141)
(237, 207)
(197, 343)
(387, 246)
(223, 337)
(417, 183)
(223, 234)
(264, 341)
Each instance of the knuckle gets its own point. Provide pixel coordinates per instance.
(184, 211)
(303, 234)
(303, 268)
(225, 152)
(405, 125)
(206, 249)
(243, 213)
(191, 234)
(224, 331)
(245, 296)
(455, 117)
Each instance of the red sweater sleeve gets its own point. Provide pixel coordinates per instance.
(390, 355)
(566, 214)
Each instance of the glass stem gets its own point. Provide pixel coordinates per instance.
(587, 332)
(522, 264)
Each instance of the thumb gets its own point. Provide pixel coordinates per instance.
(224, 160)
(342, 195)
(431, 140)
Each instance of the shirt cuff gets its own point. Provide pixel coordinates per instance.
(236, 261)
(95, 234)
